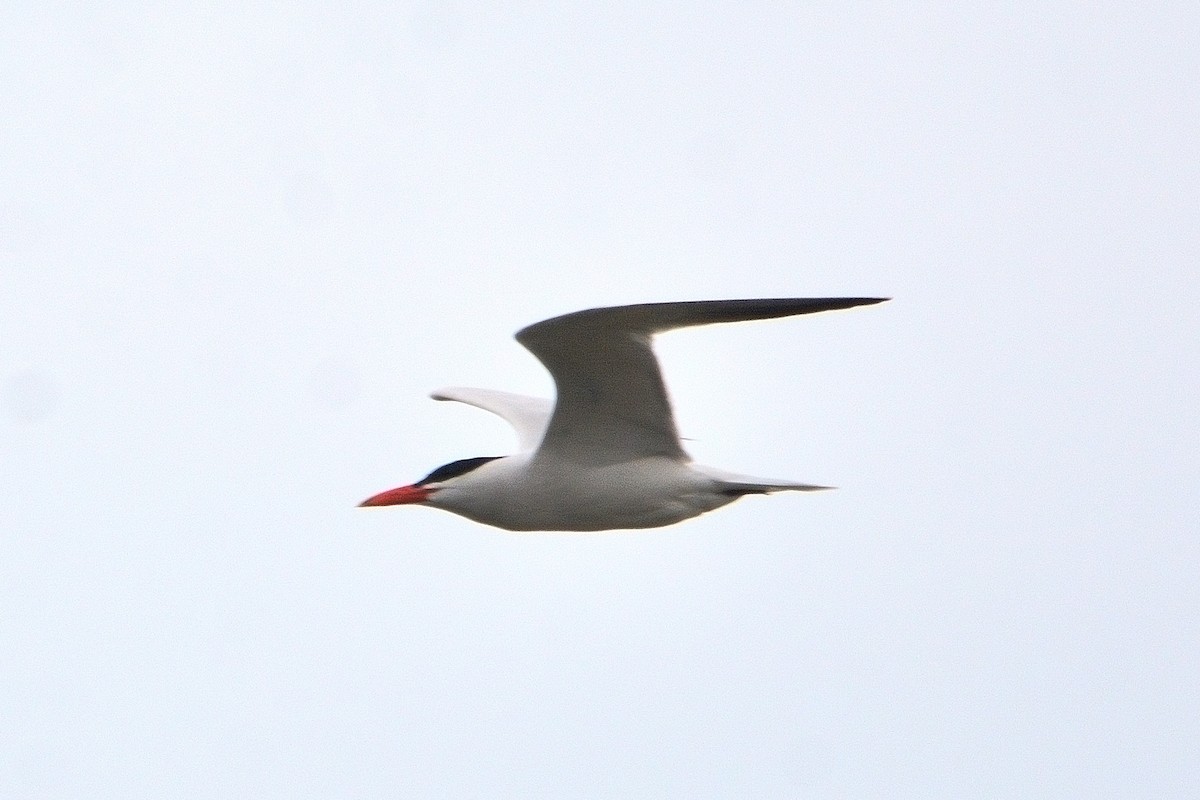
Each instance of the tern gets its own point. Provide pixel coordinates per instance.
(605, 454)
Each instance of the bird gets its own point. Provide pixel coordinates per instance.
(605, 454)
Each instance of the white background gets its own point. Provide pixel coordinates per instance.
(240, 244)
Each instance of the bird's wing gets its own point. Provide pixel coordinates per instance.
(612, 405)
(528, 415)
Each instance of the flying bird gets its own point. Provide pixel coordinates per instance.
(605, 454)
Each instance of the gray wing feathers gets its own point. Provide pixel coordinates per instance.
(527, 415)
(612, 405)
(651, 318)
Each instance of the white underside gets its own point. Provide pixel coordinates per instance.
(516, 494)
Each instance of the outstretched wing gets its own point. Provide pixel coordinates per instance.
(612, 405)
(528, 415)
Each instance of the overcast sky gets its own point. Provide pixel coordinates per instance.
(240, 245)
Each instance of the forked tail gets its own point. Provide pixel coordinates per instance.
(734, 484)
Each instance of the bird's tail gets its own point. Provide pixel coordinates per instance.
(734, 484)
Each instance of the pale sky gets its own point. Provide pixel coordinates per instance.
(240, 245)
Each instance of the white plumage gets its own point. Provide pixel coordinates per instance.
(606, 453)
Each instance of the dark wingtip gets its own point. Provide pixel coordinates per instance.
(841, 303)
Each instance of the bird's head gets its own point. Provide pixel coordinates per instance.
(421, 491)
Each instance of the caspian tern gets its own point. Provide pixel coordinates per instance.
(605, 454)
